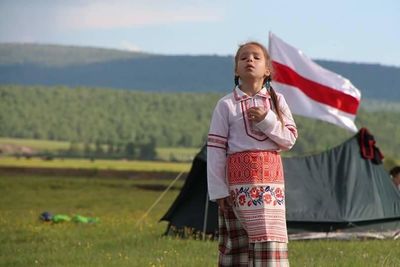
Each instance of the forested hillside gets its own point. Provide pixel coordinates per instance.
(168, 119)
(94, 67)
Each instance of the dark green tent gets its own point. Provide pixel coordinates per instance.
(192, 208)
(336, 190)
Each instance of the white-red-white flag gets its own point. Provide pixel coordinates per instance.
(311, 90)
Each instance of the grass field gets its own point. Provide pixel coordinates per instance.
(96, 164)
(118, 239)
(163, 153)
(179, 153)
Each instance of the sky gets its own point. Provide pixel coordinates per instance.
(349, 31)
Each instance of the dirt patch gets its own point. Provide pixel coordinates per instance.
(11, 149)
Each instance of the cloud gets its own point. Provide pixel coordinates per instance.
(125, 14)
(53, 20)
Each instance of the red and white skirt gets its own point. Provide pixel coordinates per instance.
(257, 188)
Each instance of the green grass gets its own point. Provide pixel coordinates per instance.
(119, 239)
(177, 153)
(163, 153)
(96, 164)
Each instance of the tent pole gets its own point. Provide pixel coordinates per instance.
(159, 198)
(205, 217)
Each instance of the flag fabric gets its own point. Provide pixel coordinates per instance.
(309, 89)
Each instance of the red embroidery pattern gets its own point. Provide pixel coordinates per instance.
(217, 141)
(239, 98)
(244, 97)
(257, 195)
(256, 186)
(214, 140)
(255, 167)
(292, 128)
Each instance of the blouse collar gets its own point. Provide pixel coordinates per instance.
(240, 95)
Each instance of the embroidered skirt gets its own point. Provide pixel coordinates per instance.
(256, 185)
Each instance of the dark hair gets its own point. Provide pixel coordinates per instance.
(271, 90)
(394, 171)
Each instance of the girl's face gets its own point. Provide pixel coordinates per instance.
(251, 63)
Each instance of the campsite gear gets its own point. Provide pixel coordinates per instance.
(236, 250)
(335, 190)
(46, 216)
(83, 219)
(256, 187)
(368, 149)
(58, 218)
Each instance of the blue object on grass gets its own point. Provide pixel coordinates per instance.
(46, 216)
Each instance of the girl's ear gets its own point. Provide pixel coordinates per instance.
(236, 72)
(267, 73)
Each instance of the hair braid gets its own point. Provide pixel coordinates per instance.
(275, 101)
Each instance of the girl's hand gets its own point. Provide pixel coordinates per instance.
(224, 203)
(256, 114)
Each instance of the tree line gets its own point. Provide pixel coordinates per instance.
(131, 121)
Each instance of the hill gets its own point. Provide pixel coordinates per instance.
(60, 56)
(33, 64)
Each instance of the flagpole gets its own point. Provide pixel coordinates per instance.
(269, 43)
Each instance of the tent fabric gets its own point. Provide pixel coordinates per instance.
(336, 190)
(188, 210)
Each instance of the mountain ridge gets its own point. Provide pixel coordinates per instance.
(37, 64)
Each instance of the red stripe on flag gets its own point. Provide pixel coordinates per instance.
(316, 91)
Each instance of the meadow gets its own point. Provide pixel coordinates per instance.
(98, 164)
(123, 237)
(163, 153)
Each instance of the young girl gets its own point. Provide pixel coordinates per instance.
(249, 127)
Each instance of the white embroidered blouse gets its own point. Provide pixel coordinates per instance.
(231, 132)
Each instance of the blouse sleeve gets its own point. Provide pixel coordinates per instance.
(217, 143)
(285, 136)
